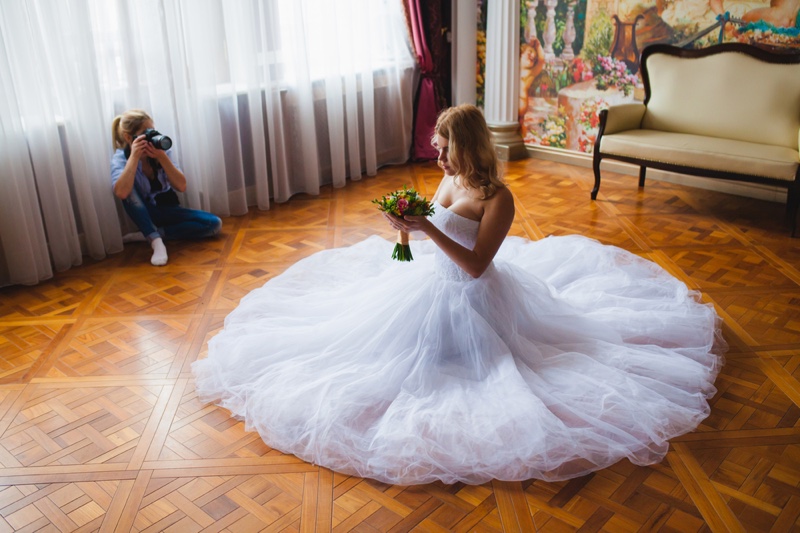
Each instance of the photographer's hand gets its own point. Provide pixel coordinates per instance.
(140, 147)
(124, 184)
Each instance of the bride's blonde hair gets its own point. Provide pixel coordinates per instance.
(470, 148)
(128, 122)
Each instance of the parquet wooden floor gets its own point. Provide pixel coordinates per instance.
(100, 427)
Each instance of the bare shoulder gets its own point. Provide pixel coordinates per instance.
(498, 216)
(501, 201)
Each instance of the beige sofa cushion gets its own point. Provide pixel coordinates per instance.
(727, 95)
(708, 153)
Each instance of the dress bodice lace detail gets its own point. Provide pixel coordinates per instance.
(462, 230)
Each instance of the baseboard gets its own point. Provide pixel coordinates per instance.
(739, 188)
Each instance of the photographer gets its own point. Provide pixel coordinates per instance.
(145, 179)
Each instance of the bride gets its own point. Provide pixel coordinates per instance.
(487, 357)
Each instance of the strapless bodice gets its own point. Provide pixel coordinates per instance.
(462, 230)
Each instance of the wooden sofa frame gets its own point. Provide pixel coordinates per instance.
(793, 187)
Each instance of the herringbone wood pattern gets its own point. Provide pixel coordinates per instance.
(101, 429)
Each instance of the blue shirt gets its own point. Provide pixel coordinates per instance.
(141, 182)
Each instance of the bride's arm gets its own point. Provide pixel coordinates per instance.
(497, 217)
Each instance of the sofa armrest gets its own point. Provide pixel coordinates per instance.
(624, 117)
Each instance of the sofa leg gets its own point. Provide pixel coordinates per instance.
(792, 203)
(642, 171)
(596, 168)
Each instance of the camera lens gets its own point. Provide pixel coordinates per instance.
(162, 142)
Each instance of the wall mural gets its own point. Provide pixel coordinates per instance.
(578, 57)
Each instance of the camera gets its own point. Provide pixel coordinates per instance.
(154, 137)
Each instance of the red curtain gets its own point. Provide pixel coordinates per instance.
(426, 103)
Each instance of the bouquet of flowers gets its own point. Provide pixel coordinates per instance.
(400, 203)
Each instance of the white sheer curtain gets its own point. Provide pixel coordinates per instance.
(263, 99)
(54, 198)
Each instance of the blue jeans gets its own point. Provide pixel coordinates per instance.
(170, 222)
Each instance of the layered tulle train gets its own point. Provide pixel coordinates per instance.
(563, 358)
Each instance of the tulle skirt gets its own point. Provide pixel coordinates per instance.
(563, 358)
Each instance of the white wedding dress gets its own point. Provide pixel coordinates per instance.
(564, 357)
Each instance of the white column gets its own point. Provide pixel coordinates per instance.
(465, 50)
(550, 30)
(502, 77)
(568, 54)
(530, 30)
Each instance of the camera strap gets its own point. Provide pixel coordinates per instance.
(155, 165)
(155, 184)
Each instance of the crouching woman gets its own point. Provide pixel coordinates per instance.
(144, 177)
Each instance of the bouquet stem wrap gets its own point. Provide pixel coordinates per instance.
(402, 250)
(399, 204)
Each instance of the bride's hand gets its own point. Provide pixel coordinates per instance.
(417, 223)
(408, 223)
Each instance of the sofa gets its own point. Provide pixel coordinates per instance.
(729, 111)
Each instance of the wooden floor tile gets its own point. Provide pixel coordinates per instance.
(770, 317)
(173, 290)
(267, 246)
(146, 346)
(729, 268)
(682, 230)
(59, 297)
(70, 426)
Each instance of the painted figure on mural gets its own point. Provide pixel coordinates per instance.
(531, 64)
(779, 13)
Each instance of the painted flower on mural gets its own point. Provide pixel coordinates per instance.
(610, 72)
(581, 70)
(762, 32)
(589, 121)
(543, 90)
(480, 67)
(586, 143)
(557, 76)
(589, 117)
(554, 130)
(530, 126)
